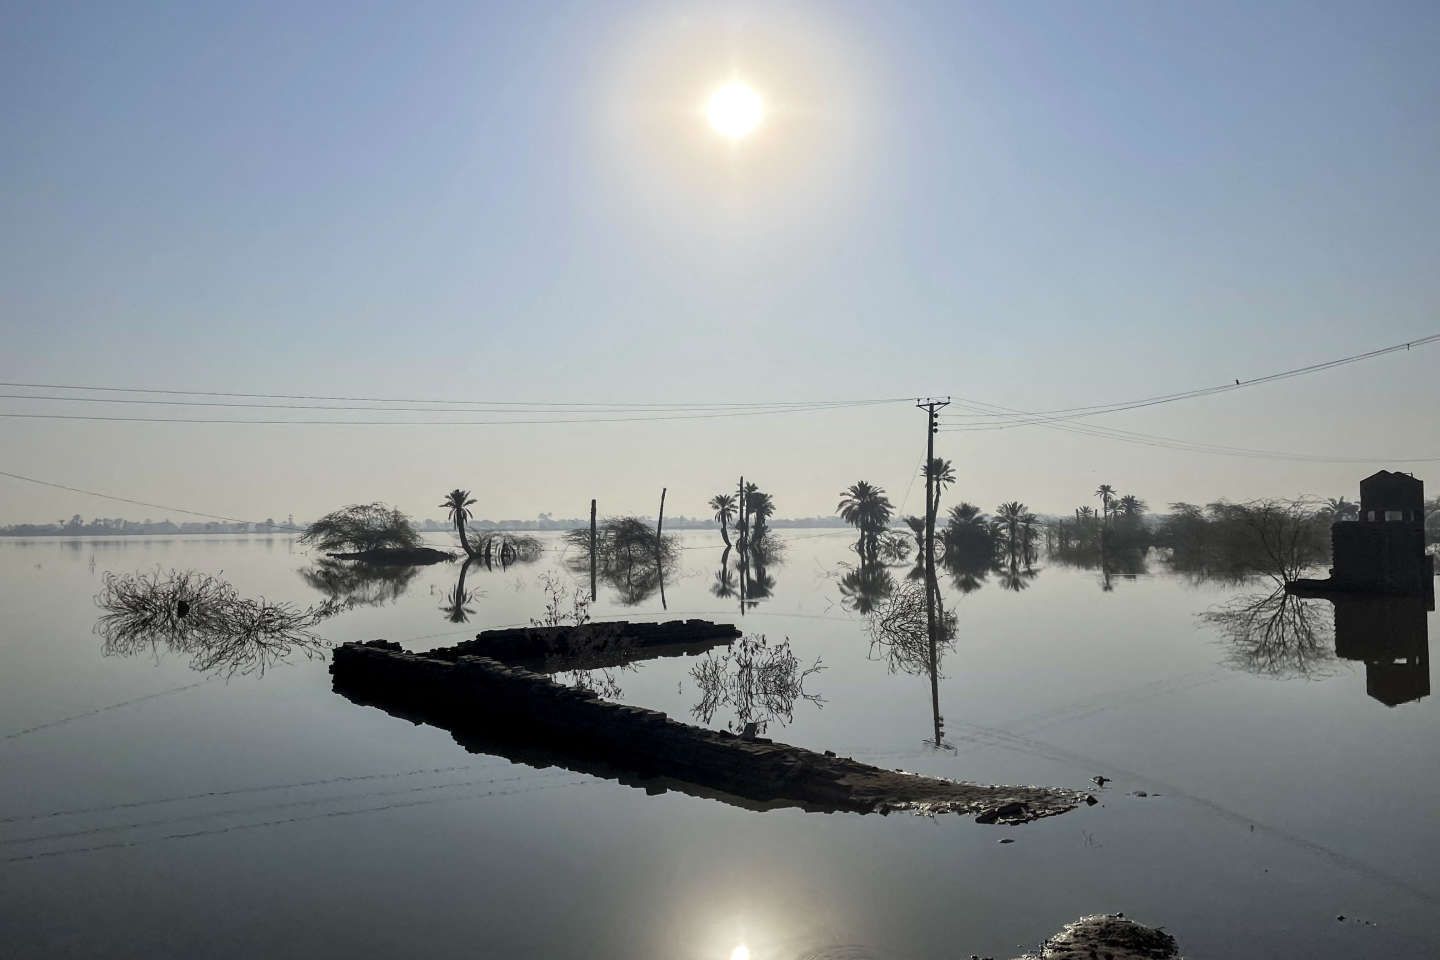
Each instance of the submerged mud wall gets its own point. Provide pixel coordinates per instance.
(592, 646)
(515, 712)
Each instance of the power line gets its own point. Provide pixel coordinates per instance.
(647, 418)
(550, 409)
(645, 405)
(1015, 418)
(1155, 440)
(138, 503)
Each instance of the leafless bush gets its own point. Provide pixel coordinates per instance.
(622, 542)
(204, 618)
(566, 606)
(1275, 635)
(899, 628)
(759, 682)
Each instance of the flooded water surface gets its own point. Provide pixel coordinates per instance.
(1268, 764)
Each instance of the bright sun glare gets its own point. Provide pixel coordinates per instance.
(735, 110)
(741, 952)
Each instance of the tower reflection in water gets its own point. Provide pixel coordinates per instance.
(1390, 635)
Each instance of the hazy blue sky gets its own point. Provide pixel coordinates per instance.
(1031, 204)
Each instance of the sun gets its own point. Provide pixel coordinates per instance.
(735, 110)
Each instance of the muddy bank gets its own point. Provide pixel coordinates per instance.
(396, 556)
(508, 710)
(1110, 936)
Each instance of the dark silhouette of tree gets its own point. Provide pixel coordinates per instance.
(968, 535)
(1131, 506)
(349, 585)
(723, 586)
(761, 507)
(1106, 493)
(967, 571)
(862, 587)
(866, 508)
(457, 608)
(1011, 516)
(724, 506)
(1013, 576)
(1342, 509)
(458, 503)
(362, 527)
(759, 584)
(742, 520)
(942, 474)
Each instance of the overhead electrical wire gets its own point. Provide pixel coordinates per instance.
(529, 409)
(648, 418)
(1191, 446)
(1015, 418)
(637, 405)
(137, 503)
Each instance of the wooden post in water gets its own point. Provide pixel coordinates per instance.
(592, 549)
(659, 549)
(740, 492)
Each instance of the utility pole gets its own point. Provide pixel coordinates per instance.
(931, 406)
(592, 549)
(660, 549)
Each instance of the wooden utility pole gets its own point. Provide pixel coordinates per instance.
(592, 549)
(743, 523)
(660, 549)
(932, 425)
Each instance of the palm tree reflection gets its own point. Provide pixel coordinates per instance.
(457, 606)
(865, 586)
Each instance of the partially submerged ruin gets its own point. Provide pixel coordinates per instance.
(493, 695)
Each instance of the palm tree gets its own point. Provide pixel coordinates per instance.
(724, 506)
(458, 502)
(742, 523)
(1105, 492)
(1132, 507)
(761, 507)
(1027, 534)
(942, 474)
(1342, 509)
(967, 534)
(1010, 516)
(866, 508)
